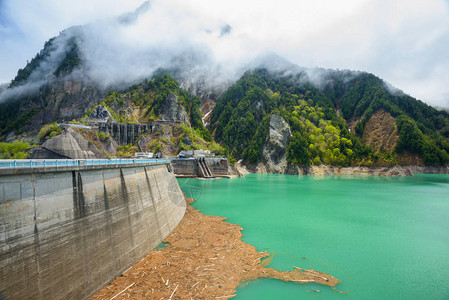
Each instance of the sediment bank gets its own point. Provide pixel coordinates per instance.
(205, 259)
(354, 170)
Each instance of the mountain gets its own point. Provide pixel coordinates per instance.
(51, 87)
(61, 84)
(158, 99)
(173, 112)
(344, 118)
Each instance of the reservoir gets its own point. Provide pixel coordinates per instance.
(383, 237)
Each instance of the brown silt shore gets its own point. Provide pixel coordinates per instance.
(205, 259)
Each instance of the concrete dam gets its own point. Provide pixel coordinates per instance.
(66, 231)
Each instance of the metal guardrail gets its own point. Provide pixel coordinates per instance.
(74, 126)
(43, 163)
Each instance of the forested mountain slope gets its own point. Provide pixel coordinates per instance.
(321, 116)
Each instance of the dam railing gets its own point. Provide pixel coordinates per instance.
(43, 163)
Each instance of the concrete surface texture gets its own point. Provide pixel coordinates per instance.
(189, 167)
(124, 133)
(64, 235)
(69, 144)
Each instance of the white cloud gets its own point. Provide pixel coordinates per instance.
(26, 25)
(403, 42)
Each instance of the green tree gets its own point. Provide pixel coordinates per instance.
(297, 150)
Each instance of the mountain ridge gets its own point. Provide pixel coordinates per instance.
(315, 112)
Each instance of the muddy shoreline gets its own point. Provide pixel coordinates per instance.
(205, 258)
(354, 170)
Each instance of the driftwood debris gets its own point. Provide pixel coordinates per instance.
(174, 291)
(212, 270)
(123, 290)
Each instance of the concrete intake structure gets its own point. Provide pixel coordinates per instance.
(195, 167)
(65, 233)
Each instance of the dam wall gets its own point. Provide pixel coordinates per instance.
(188, 167)
(124, 133)
(65, 233)
(219, 166)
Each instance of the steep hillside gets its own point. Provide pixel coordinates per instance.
(381, 132)
(169, 140)
(158, 99)
(320, 114)
(423, 130)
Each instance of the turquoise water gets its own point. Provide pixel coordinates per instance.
(383, 237)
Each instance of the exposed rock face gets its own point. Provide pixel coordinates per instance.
(26, 137)
(377, 171)
(274, 152)
(101, 114)
(69, 144)
(381, 132)
(62, 99)
(429, 169)
(172, 110)
(328, 170)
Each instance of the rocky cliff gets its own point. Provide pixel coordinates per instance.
(172, 110)
(68, 99)
(274, 158)
(60, 100)
(329, 170)
(101, 114)
(377, 171)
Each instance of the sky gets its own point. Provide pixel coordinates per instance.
(405, 43)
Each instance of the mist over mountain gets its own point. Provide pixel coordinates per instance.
(121, 51)
(406, 46)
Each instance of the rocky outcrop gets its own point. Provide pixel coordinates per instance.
(101, 115)
(329, 170)
(429, 169)
(69, 144)
(172, 110)
(274, 158)
(62, 100)
(376, 171)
